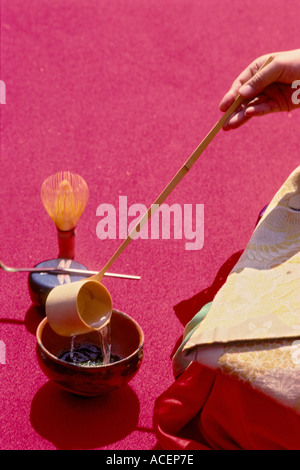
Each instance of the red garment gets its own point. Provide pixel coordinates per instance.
(208, 410)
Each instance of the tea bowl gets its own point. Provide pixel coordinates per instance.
(127, 340)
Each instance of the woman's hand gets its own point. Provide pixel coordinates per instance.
(267, 91)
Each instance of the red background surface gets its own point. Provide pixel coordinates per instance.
(122, 92)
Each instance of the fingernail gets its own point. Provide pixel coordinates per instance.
(222, 105)
(250, 110)
(246, 90)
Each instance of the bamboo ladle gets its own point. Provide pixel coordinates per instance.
(80, 306)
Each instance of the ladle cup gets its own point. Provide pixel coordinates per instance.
(78, 307)
(74, 308)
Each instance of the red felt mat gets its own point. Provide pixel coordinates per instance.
(122, 92)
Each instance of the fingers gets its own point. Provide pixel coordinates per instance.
(270, 102)
(265, 89)
(261, 109)
(253, 80)
(263, 78)
(243, 78)
(227, 100)
(235, 121)
(238, 119)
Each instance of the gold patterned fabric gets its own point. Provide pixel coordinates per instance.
(252, 330)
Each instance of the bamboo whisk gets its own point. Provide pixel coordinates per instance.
(64, 196)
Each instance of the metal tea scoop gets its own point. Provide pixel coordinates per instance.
(58, 270)
(84, 305)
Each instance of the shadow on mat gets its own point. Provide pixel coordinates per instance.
(33, 317)
(71, 422)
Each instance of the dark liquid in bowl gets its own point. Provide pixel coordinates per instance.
(86, 354)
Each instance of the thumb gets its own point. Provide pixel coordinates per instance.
(264, 77)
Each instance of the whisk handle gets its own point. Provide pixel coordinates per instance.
(66, 243)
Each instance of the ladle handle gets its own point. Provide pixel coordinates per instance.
(177, 178)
